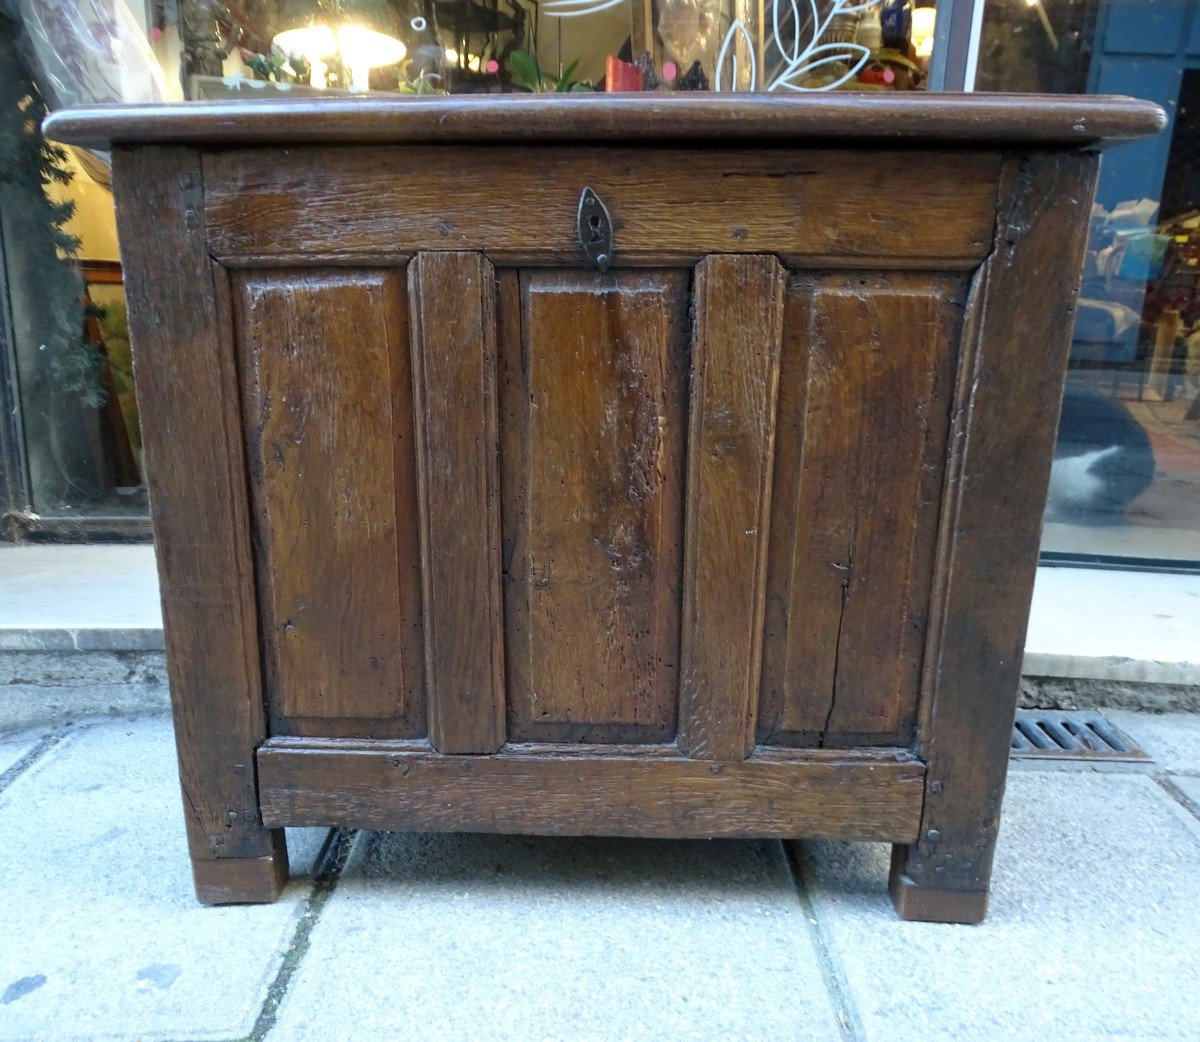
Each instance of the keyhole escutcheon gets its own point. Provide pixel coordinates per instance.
(594, 228)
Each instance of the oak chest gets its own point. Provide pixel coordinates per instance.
(610, 465)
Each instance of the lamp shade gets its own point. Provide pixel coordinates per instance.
(924, 20)
(362, 34)
(374, 14)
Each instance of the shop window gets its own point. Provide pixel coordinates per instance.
(1040, 48)
(1126, 479)
(72, 448)
(502, 46)
(1126, 485)
(73, 454)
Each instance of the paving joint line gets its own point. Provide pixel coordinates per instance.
(1166, 783)
(836, 985)
(43, 745)
(330, 863)
(1033, 765)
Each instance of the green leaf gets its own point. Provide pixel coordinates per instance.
(564, 81)
(525, 70)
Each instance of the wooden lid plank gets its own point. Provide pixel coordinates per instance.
(967, 120)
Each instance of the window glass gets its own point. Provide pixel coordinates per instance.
(81, 450)
(1126, 476)
(500, 46)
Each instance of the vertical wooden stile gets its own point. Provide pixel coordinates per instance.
(452, 299)
(181, 330)
(735, 358)
(1018, 333)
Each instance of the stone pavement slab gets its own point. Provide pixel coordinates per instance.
(1189, 786)
(1141, 626)
(14, 746)
(78, 598)
(1173, 739)
(100, 933)
(455, 938)
(1094, 929)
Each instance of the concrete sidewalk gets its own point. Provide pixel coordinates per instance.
(81, 635)
(1094, 931)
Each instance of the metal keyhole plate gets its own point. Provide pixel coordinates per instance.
(594, 228)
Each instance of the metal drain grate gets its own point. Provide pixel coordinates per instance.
(1058, 735)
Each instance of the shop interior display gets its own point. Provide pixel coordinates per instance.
(513, 46)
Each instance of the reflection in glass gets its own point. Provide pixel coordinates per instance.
(515, 46)
(1126, 477)
(71, 355)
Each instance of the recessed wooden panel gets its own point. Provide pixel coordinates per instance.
(866, 378)
(670, 206)
(328, 419)
(592, 444)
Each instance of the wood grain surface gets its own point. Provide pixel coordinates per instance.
(592, 448)
(452, 302)
(868, 364)
(180, 328)
(669, 205)
(731, 440)
(327, 408)
(1018, 331)
(877, 119)
(612, 793)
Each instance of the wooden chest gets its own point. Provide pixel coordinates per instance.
(708, 507)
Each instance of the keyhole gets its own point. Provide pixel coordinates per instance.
(593, 229)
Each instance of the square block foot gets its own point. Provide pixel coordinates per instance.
(240, 881)
(928, 904)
